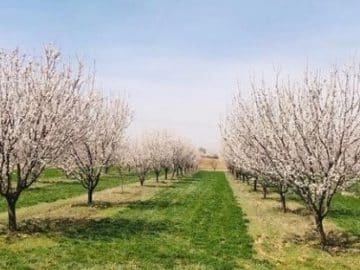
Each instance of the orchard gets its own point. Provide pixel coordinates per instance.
(81, 189)
(301, 135)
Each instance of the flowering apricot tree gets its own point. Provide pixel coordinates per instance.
(100, 131)
(303, 134)
(158, 150)
(38, 101)
(184, 156)
(139, 158)
(155, 144)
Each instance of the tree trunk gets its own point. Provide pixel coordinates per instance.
(11, 202)
(157, 176)
(107, 169)
(90, 196)
(142, 180)
(255, 184)
(166, 173)
(320, 229)
(173, 174)
(283, 200)
(264, 191)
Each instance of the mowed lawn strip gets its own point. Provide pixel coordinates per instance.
(195, 223)
(282, 239)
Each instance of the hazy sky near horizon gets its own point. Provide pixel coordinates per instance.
(180, 61)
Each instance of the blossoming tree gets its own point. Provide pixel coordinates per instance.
(306, 134)
(101, 126)
(38, 101)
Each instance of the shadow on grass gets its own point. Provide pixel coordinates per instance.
(140, 205)
(186, 180)
(105, 229)
(342, 212)
(103, 204)
(153, 204)
(338, 241)
(301, 211)
(157, 186)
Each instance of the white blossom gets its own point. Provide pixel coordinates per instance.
(305, 134)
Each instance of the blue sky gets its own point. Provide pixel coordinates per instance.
(179, 61)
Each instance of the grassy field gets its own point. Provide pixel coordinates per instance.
(193, 223)
(54, 186)
(344, 211)
(355, 189)
(288, 241)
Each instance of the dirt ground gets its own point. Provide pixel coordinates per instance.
(206, 163)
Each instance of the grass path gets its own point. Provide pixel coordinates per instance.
(279, 238)
(194, 223)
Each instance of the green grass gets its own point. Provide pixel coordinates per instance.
(52, 173)
(63, 189)
(345, 212)
(355, 188)
(194, 224)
